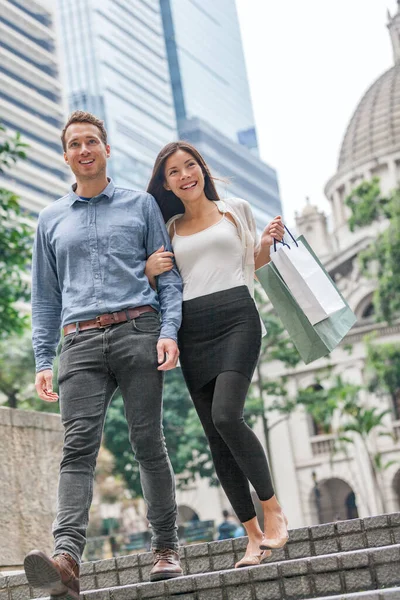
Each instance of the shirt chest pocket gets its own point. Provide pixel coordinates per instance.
(126, 241)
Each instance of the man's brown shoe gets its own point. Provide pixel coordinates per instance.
(166, 565)
(58, 575)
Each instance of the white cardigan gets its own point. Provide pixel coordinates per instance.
(247, 230)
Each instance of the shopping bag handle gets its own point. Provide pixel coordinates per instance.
(282, 241)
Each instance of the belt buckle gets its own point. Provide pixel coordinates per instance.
(103, 321)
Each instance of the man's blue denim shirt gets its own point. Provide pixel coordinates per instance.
(89, 259)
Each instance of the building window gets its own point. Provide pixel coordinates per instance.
(396, 405)
(318, 427)
(368, 312)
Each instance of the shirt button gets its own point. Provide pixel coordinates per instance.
(96, 276)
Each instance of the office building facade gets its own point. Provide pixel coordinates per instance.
(212, 99)
(116, 67)
(31, 100)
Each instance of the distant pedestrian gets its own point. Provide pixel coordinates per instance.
(227, 528)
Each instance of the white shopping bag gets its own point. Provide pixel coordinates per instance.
(308, 282)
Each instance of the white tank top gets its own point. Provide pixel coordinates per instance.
(209, 261)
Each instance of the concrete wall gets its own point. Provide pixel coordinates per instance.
(30, 452)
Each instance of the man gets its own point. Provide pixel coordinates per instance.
(227, 528)
(88, 277)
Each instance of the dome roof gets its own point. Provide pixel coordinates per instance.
(374, 129)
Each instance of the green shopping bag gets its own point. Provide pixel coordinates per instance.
(311, 341)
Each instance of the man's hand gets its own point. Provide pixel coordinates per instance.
(167, 347)
(44, 386)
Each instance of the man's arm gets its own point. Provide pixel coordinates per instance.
(46, 301)
(169, 284)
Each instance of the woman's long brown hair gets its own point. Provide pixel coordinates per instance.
(168, 202)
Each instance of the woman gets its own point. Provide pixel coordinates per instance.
(215, 249)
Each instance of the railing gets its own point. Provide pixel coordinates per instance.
(107, 546)
(322, 444)
(198, 531)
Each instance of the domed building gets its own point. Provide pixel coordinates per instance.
(338, 485)
(371, 145)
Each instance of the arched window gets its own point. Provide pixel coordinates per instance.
(332, 500)
(365, 310)
(396, 405)
(368, 312)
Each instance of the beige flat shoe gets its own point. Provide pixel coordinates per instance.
(252, 560)
(275, 543)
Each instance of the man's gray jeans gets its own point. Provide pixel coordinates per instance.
(93, 363)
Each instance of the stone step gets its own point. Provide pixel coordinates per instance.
(319, 540)
(304, 578)
(342, 536)
(386, 594)
(298, 579)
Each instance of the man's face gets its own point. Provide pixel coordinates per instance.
(86, 153)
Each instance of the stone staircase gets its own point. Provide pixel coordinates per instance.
(357, 559)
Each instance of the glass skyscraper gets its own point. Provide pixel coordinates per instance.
(207, 66)
(31, 100)
(116, 67)
(212, 99)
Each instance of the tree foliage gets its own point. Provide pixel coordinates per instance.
(17, 371)
(382, 259)
(187, 445)
(17, 375)
(383, 371)
(15, 245)
(339, 410)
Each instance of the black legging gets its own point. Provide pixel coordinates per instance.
(237, 453)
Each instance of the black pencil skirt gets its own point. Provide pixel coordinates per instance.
(220, 332)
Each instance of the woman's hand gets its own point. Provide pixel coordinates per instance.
(159, 262)
(274, 230)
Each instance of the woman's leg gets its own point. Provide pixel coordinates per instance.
(231, 477)
(230, 392)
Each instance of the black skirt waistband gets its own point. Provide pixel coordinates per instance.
(216, 299)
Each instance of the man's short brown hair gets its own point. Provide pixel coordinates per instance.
(80, 116)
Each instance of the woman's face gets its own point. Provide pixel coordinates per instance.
(184, 176)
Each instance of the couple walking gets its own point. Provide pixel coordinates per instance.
(103, 271)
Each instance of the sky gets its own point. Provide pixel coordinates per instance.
(309, 62)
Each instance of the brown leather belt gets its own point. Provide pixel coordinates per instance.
(108, 319)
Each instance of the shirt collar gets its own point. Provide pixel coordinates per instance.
(108, 192)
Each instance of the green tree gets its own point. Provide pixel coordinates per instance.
(17, 370)
(323, 403)
(383, 371)
(185, 439)
(366, 423)
(17, 375)
(15, 244)
(382, 258)
(338, 409)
